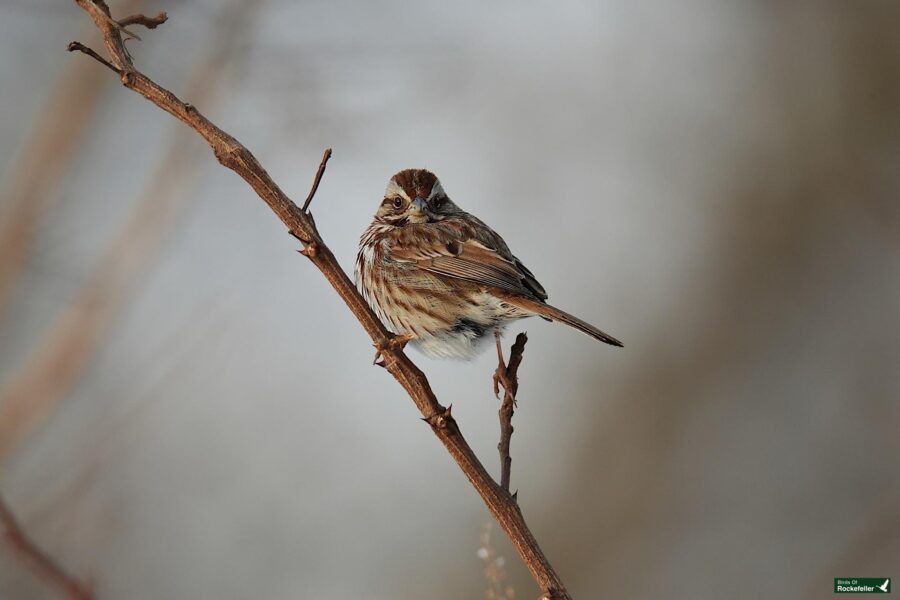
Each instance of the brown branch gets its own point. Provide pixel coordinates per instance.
(507, 375)
(38, 560)
(319, 173)
(79, 47)
(148, 22)
(233, 155)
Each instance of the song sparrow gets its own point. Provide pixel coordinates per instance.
(439, 277)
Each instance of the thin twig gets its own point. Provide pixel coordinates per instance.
(79, 47)
(319, 173)
(148, 22)
(233, 155)
(38, 560)
(508, 376)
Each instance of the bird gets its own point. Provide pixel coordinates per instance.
(440, 279)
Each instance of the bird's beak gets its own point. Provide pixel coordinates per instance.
(419, 206)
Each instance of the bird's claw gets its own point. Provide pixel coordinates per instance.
(500, 378)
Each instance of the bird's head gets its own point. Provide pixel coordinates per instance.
(415, 196)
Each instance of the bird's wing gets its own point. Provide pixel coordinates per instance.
(473, 254)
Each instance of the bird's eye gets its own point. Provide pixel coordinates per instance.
(438, 202)
(398, 202)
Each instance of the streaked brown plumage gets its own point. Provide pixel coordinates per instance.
(435, 273)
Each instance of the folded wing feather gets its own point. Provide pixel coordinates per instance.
(453, 254)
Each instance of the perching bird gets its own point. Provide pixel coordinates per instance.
(440, 278)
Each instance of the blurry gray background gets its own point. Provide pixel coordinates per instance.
(714, 183)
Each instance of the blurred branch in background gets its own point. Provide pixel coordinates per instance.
(35, 177)
(236, 157)
(45, 567)
(119, 430)
(33, 393)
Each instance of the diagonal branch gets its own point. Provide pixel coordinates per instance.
(233, 155)
(44, 566)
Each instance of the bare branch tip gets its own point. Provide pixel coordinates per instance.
(79, 47)
(145, 21)
(319, 172)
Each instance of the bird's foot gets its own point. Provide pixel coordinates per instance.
(500, 373)
(500, 379)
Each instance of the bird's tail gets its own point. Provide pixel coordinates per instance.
(554, 314)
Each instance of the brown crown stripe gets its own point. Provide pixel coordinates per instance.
(416, 182)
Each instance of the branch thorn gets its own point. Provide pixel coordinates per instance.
(392, 344)
(310, 250)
